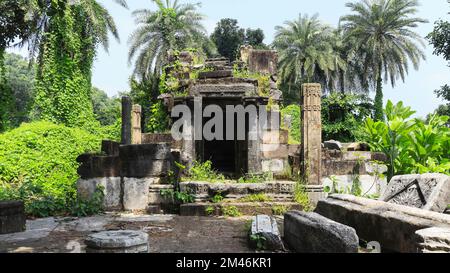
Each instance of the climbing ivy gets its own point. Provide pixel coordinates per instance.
(63, 79)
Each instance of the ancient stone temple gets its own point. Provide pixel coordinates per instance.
(227, 113)
(240, 149)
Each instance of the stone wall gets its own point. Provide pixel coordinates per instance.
(130, 176)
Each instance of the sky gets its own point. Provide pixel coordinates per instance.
(112, 69)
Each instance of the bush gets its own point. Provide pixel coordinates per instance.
(294, 130)
(412, 145)
(38, 165)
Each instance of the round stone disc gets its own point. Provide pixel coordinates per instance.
(116, 239)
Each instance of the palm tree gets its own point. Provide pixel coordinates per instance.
(172, 27)
(384, 42)
(97, 18)
(306, 52)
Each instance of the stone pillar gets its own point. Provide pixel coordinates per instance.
(311, 146)
(136, 133)
(126, 120)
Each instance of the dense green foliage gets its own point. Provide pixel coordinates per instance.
(342, 116)
(440, 39)
(38, 166)
(294, 129)
(411, 145)
(20, 80)
(383, 38)
(228, 38)
(106, 110)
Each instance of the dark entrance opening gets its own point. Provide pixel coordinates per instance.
(228, 157)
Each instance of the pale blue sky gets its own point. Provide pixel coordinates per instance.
(112, 71)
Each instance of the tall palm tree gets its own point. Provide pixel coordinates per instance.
(173, 26)
(384, 42)
(98, 22)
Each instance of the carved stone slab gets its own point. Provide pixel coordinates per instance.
(267, 227)
(427, 191)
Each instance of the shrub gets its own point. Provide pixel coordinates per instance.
(412, 146)
(294, 129)
(204, 172)
(38, 165)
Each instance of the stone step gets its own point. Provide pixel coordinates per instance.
(247, 209)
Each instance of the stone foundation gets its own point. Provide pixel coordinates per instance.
(12, 217)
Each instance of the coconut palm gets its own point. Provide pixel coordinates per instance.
(384, 42)
(171, 27)
(306, 52)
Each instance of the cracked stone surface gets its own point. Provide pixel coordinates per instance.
(167, 233)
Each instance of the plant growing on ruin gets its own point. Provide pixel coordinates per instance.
(301, 196)
(210, 210)
(204, 172)
(83, 208)
(178, 197)
(230, 211)
(259, 241)
(218, 198)
(280, 209)
(263, 80)
(254, 198)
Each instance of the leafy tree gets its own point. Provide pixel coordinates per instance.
(342, 115)
(106, 110)
(255, 38)
(20, 80)
(383, 38)
(172, 27)
(66, 49)
(440, 39)
(306, 52)
(228, 37)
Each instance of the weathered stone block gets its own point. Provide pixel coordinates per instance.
(267, 227)
(392, 225)
(112, 189)
(433, 240)
(215, 74)
(263, 61)
(427, 191)
(110, 148)
(136, 193)
(276, 137)
(121, 241)
(333, 145)
(274, 165)
(355, 147)
(148, 160)
(274, 151)
(12, 217)
(313, 233)
(369, 184)
(93, 166)
(156, 138)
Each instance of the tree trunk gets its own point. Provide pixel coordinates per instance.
(379, 115)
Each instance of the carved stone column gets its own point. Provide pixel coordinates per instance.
(311, 146)
(126, 120)
(136, 133)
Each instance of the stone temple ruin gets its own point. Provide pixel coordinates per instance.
(137, 174)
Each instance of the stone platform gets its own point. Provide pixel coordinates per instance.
(248, 209)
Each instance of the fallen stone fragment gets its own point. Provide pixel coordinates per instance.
(333, 145)
(391, 225)
(121, 241)
(12, 217)
(433, 240)
(313, 233)
(426, 191)
(265, 228)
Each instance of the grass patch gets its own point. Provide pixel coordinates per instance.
(253, 198)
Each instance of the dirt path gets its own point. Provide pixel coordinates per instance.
(168, 234)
